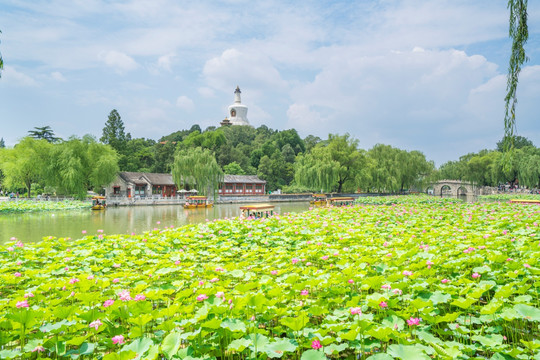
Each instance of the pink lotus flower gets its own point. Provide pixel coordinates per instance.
(214, 280)
(316, 344)
(73, 280)
(17, 274)
(202, 297)
(397, 291)
(10, 248)
(108, 303)
(84, 231)
(100, 231)
(95, 324)
(444, 281)
(356, 310)
(140, 297)
(28, 295)
(325, 257)
(22, 304)
(476, 275)
(413, 321)
(407, 273)
(220, 269)
(201, 283)
(177, 262)
(273, 272)
(429, 263)
(118, 339)
(220, 294)
(527, 265)
(116, 265)
(90, 277)
(383, 304)
(19, 244)
(304, 292)
(115, 280)
(386, 286)
(295, 260)
(350, 281)
(125, 295)
(38, 349)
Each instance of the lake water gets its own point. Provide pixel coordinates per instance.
(33, 227)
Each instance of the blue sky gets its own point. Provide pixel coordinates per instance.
(418, 75)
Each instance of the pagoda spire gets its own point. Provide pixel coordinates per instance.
(237, 92)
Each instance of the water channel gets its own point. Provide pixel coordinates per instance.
(33, 227)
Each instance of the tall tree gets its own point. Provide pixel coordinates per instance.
(316, 171)
(45, 133)
(25, 164)
(2, 143)
(517, 141)
(198, 167)
(519, 33)
(114, 133)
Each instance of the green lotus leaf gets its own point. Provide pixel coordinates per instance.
(464, 303)
(239, 344)
(407, 352)
(123, 355)
(313, 355)
(139, 346)
(490, 340)
(492, 307)
(233, 325)
(528, 312)
(295, 323)
(171, 344)
(380, 357)
(276, 349)
(84, 349)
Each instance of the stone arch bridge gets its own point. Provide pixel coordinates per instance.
(452, 187)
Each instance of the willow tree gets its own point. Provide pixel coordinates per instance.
(519, 33)
(197, 167)
(316, 171)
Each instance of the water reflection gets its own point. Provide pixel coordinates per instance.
(33, 227)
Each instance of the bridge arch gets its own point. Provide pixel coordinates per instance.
(451, 187)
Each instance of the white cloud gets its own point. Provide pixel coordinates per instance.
(185, 103)
(57, 75)
(118, 61)
(14, 77)
(206, 92)
(164, 62)
(235, 67)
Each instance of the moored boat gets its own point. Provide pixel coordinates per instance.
(257, 210)
(197, 201)
(318, 199)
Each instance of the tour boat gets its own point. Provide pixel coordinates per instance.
(318, 199)
(341, 201)
(525, 201)
(198, 201)
(257, 210)
(99, 203)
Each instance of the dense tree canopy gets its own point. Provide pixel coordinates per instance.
(197, 167)
(25, 163)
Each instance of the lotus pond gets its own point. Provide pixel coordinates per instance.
(409, 281)
(21, 206)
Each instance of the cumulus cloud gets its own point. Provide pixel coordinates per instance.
(251, 69)
(164, 62)
(57, 76)
(117, 60)
(17, 78)
(185, 103)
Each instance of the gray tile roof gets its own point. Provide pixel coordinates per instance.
(248, 179)
(143, 178)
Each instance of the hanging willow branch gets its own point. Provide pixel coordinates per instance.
(197, 166)
(1, 62)
(519, 33)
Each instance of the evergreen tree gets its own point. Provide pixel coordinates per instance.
(114, 134)
(2, 143)
(45, 133)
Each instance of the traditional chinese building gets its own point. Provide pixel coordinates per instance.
(140, 184)
(240, 185)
